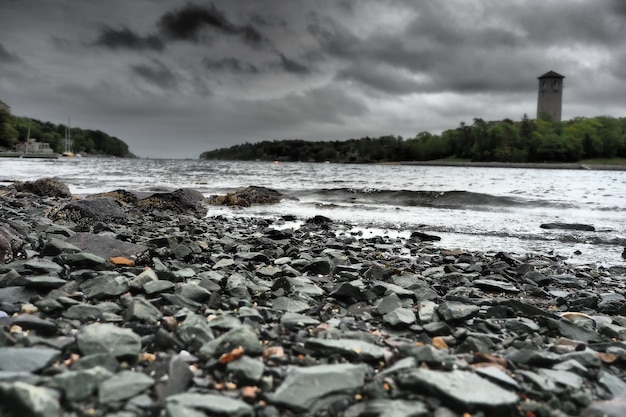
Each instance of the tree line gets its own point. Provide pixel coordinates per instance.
(527, 140)
(15, 129)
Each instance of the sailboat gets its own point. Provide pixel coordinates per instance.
(68, 152)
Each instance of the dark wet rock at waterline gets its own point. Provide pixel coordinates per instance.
(569, 226)
(247, 197)
(49, 187)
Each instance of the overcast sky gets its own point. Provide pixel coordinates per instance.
(174, 78)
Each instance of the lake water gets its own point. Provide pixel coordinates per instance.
(486, 209)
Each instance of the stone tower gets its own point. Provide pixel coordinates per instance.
(550, 98)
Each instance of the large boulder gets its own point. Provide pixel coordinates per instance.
(247, 196)
(183, 200)
(89, 211)
(45, 187)
(569, 226)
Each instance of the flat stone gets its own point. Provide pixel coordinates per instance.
(82, 312)
(81, 260)
(613, 408)
(158, 286)
(18, 359)
(388, 304)
(20, 399)
(383, 407)
(242, 336)
(215, 405)
(455, 311)
(290, 305)
(122, 386)
(105, 286)
(495, 286)
(295, 320)
(142, 310)
(349, 348)
(616, 386)
(246, 370)
(108, 338)
(400, 317)
(40, 282)
(80, 385)
(465, 390)
(194, 331)
(303, 386)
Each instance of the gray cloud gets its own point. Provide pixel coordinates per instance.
(8, 57)
(126, 38)
(231, 64)
(157, 74)
(193, 23)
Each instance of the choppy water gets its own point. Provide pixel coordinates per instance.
(487, 209)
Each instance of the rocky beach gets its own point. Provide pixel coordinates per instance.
(131, 304)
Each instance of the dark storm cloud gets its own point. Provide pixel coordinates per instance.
(191, 23)
(157, 74)
(8, 57)
(291, 66)
(125, 38)
(230, 64)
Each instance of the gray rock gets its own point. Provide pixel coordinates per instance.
(290, 305)
(177, 410)
(463, 389)
(426, 311)
(142, 310)
(215, 405)
(122, 386)
(568, 226)
(108, 338)
(303, 386)
(80, 385)
(384, 407)
(246, 370)
(533, 357)
(193, 292)
(158, 286)
(348, 348)
(20, 399)
(495, 285)
(242, 336)
(296, 320)
(82, 312)
(103, 360)
(18, 359)
(55, 246)
(81, 260)
(616, 386)
(105, 286)
(613, 408)
(105, 246)
(90, 211)
(40, 282)
(195, 331)
(388, 304)
(400, 317)
(453, 311)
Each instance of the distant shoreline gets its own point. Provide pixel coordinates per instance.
(530, 165)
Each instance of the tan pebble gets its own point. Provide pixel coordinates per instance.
(273, 352)
(29, 308)
(249, 393)
(170, 323)
(15, 329)
(439, 343)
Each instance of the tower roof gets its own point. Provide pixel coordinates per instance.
(551, 74)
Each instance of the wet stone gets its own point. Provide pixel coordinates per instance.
(21, 399)
(122, 386)
(26, 359)
(304, 386)
(81, 260)
(453, 311)
(105, 286)
(158, 286)
(246, 370)
(349, 348)
(400, 317)
(495, 285)
(215, 405)
(142, 310)
(290, 305)
(296, 320)
(465, 390)
(242, 336)
(80, 385)
(108, 338)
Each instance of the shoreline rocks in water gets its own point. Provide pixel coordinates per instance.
(113, 307)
